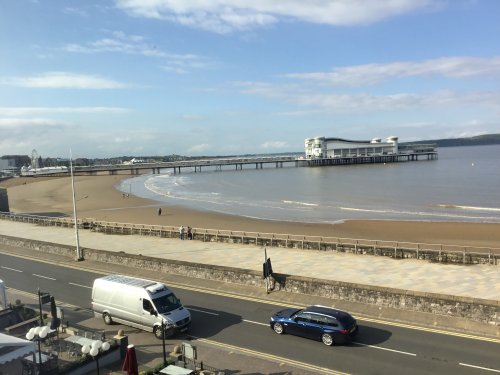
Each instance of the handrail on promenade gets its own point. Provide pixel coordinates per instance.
(446, 253)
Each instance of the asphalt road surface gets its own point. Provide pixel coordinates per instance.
(244, 323)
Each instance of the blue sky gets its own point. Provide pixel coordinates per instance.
(220, 77)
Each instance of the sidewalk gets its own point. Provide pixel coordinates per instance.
(477, 281)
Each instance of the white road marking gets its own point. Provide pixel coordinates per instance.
(204, 312)
(251, 321)
(82, 286)
(11, 269)
(43, 277)
(387, 349)
(479, 367)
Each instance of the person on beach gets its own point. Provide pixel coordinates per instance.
(159, 211)
(181, 231)
(190, 234)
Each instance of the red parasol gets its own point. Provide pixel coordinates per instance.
(130, 363)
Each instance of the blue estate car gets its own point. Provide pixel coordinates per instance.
(316, 322)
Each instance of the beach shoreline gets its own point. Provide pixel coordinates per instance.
(98, 198)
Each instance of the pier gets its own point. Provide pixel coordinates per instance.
(238, 164)
(394, 158)
(192, 165)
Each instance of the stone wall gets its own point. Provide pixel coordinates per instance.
(471, 309)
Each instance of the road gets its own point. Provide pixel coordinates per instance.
(231, 321)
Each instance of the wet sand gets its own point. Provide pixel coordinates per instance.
(97, 198)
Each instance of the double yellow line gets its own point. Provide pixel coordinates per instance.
(281, 360)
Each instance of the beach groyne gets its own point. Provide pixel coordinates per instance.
(439, 253)
(480, 316)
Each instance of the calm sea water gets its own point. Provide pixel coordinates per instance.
(462, 185)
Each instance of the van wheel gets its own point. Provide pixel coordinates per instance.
(107, 319)
(169, 332)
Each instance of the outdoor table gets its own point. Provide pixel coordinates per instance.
(80, 340)
(29, 358)
(176, 370)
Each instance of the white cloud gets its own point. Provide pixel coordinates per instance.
(137, 45)
(273, 145)
(17, 123)
(24, 111)
(72, 10)
(65, 80)
(347, 102)
(225, 16)
(369, 102)
(197, 149)
(369, 74)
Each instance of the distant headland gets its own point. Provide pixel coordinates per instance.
(479, 140)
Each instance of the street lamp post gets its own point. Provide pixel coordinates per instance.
(79, 255)
(163, 328)
(38, 334)
(97, 347)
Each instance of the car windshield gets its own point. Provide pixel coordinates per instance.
(166, 303)
(295, 313)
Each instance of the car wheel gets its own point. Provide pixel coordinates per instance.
(278, 328)
(107, 319)
(327, 339)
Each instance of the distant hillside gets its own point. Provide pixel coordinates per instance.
(479, 140)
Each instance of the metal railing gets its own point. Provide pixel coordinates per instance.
(444, 253)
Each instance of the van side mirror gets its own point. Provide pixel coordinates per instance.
(153, 312)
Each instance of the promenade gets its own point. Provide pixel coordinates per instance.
(477, 281)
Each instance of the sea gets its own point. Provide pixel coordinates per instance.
(463, 184)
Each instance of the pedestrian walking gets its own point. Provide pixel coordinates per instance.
(159, 211)
(190, 234)
(181, 232)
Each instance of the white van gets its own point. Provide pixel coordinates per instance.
(139, 303)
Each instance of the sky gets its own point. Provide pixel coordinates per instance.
(112, 78)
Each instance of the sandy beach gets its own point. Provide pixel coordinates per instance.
(98, 199)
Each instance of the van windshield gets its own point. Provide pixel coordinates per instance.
(166, 303)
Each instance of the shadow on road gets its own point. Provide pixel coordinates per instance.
(207, 322)
(371, 335)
